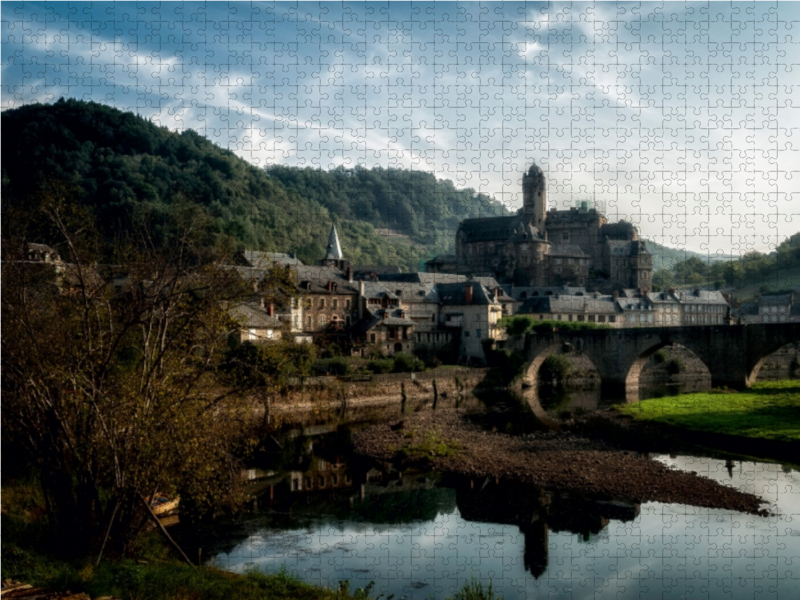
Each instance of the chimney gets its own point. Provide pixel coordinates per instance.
(615, 293)
(360, 299)
(350, 274)
(271, 309)
(468, 293)
(330, 286)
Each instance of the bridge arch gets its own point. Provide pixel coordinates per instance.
(574, 350)
(768, 351)
(638, 365)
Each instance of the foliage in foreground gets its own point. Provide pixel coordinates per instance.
(769, 410)
(110, 388)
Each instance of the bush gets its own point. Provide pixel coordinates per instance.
(555, 366)
(406, 363)
(334, 366)
(332, 350)
(380, 366)
(522, 324)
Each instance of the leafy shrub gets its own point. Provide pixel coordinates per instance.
(334, 366)
(660, 357)
(379, 366)
(406, 363)
(555, 366)
(522, 324)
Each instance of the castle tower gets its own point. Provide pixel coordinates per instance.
(534, 197)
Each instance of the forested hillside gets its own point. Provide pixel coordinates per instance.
(753, 273)
(122, 165)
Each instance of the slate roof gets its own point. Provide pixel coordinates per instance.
(569, 250)
(489, 228)
(375, 318)
(334, 249)
(253, 316)
(454, 294)
(701, 296)
(569, 304)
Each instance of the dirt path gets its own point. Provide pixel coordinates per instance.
(557, 461)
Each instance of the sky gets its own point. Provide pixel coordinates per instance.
(679, 117)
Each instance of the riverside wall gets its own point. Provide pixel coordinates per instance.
(331, 393)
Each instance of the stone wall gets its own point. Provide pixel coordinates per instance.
(331, 392)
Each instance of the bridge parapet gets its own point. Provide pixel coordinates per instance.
(732, 353)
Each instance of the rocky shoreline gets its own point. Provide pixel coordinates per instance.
(560, 461)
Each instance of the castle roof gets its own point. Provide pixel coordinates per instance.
(570, 250)
(490, 228)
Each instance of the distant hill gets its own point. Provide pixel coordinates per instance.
(120, 164)
(665, 257)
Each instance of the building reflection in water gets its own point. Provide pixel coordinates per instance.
(372, 492)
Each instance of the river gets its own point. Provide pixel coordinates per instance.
(327, 516)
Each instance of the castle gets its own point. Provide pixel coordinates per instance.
(539, 247)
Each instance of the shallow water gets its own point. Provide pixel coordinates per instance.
(421, 535)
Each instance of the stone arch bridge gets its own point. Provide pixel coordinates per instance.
(733, 353)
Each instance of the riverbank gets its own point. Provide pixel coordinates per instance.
(29, 556)
(566, 461)
(763, 421)
(769, 410)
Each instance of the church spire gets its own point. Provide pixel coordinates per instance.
(334, 249)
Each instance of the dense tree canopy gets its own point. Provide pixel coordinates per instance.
(121, 164)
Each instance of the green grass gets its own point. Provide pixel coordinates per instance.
(769, 410)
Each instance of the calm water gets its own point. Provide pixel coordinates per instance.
(325, 517)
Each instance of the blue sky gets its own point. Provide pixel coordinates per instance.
(678, 117)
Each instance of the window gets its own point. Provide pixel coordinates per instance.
(591, 318)
(296, 321)
(308, 302)
(565, 236)
(601, 319)
(322, 302)
(478, 333)
(466, 333)
(371, 337)
(335, 304)
(308, 322)
(322, 320)
(491, 248)
(347, 303)
(295, 303)
(612, 318)
(581, 318)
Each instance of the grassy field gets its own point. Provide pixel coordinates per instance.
(769, 410)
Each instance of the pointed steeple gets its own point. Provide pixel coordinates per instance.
(334, 249)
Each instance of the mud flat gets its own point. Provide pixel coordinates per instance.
(562, 461)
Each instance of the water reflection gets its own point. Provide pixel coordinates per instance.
(327, 516)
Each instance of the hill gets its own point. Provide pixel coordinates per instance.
(665, 257)
(121, 165)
